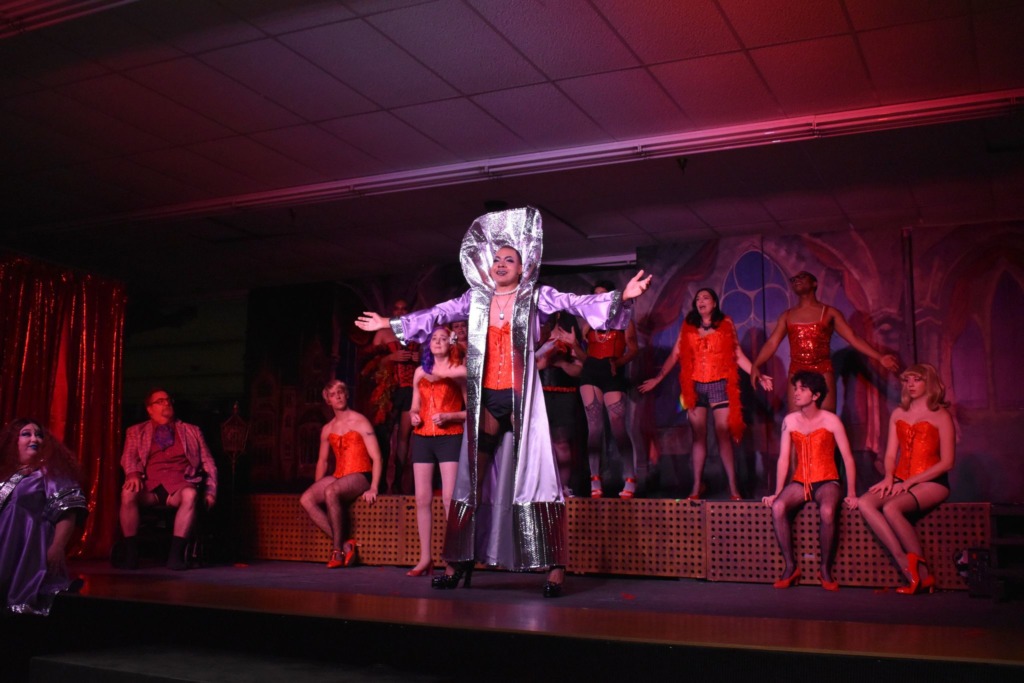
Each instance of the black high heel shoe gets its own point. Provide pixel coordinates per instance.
(553, 589)
(461, 569)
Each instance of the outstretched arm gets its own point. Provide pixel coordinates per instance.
(843, 329)
(666, 367)
(637, 286)
(782, 469)
(771, 345)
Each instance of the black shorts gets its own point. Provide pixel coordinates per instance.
(598, 372)
(401, 399)
(498, 402)
(430, 449)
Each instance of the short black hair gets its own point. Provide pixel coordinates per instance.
(606, 285)
(815, 381)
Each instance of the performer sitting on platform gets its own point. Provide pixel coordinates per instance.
(810, 325)
(357, 472)
(917, 480)
(559, 362)
(511, 514)
(166, 462)
(603, 389)
(709, 355)
(814, 434)
(438, 413)
(40, 502)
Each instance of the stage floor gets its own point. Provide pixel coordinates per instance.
(857, 622)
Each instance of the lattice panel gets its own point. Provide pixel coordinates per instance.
(742, 547)
(637, 537)
(721, 541)
(386, 534)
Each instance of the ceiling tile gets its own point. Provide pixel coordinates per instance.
(796, 72)
(543, 116)
(696, 86)
(141, 107)
(282, 16)
(82, 122)
(724, 211)
(106, 38)
(318, 149)
(999, 48)
(460, 47)
(391, 140)
(218, 97)
(191, 25)
(660, 31)
(871, 14)
(774, 22)
(267, 168)
(921, 61)
(627, 103)
(212, 178)
(291, 81)
(30, 57)
(562, 39)
(664, 218)
(463, 128)
(390, 78)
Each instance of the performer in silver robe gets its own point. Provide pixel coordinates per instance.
(508, 509)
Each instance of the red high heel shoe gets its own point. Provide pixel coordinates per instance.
(426, 571)
(596, 492)
(791, 580)
(828, 585)
(335, 560)
(349, 550)
(627, 492)
(916, 585)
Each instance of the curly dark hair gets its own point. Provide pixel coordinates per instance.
(815, 381)
(53, 456)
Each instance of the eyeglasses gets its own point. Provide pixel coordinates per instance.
(168, 401)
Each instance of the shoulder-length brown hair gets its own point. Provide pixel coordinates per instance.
(935, 390)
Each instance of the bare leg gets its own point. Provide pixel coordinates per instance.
(593, 406)
(829, 403)
(185, 500)
(448, 472)
(423, 473)
(403, 473)
(131, 501)
(562, 448)
(314, 503)
(785, 507)
(699, 427)
(725, 450)
(828, 498)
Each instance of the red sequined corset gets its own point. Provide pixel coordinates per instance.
(810, 346)
(442, 396)
(350, 454)
(815, 458)
(713, 354)
(498, 360)
(919, 448)
(606, 344)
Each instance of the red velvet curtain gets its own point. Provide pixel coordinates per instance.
(61, 351)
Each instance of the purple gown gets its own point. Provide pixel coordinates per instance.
(30, 507)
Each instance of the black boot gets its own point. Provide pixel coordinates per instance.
(176, 557)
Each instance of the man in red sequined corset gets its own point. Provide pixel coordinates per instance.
(809, 326)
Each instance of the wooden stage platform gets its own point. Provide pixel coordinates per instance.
(374, 623)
